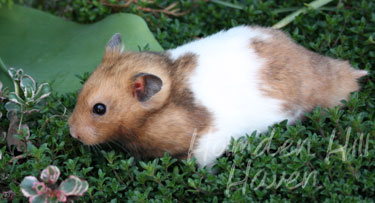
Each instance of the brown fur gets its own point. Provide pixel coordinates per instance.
(168, 120)
(300, 77)
(164, 123)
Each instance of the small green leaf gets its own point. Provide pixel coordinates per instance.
(28, 86)
(28, 81)
(191, 183)
(12, 106)
(27, 186)
(15, 98)
(44, 90)
(15, 74)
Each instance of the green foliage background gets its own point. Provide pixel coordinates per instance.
(342, 29)
(55, 50)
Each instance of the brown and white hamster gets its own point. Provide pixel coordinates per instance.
(226, 85)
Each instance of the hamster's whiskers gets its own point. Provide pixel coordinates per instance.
(94, 147)
(119, 145)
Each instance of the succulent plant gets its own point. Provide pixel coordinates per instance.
(48, 191)
(26, 95)
(25, 99)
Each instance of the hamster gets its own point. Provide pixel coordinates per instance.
(198, 96)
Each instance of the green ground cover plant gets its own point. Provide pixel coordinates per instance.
(328, 157)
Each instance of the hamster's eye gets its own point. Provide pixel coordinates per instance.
(99, 109)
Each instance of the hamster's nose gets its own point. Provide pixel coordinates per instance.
(73, 133)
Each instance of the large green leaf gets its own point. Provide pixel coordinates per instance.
(51, 49)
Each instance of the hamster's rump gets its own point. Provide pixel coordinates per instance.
(203, 93)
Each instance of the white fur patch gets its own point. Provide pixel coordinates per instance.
(226, 82)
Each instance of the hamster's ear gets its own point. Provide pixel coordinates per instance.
(114, 44)
(145, 86)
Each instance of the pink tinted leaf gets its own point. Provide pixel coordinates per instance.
(50, 174)
(84, 187)
(70, 185)
(40, 187)
(60, 195)
(74, 186)
(38, 198)
(27, 186)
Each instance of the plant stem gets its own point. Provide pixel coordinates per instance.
(288, 19)
(227, 4)
(21, 119)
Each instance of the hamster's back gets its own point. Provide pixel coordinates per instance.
(251, 77)
(227, 78)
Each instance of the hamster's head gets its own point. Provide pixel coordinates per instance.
(119, 94)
